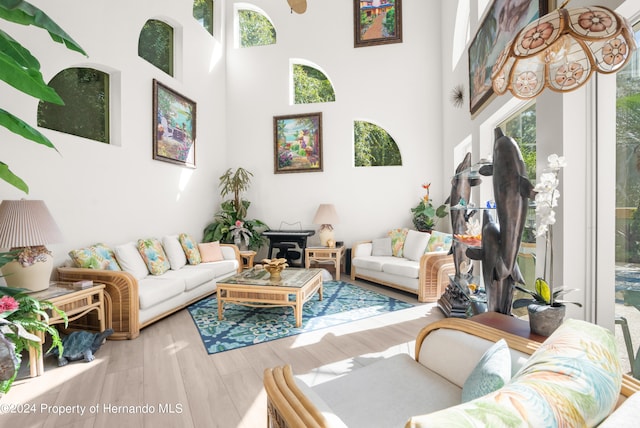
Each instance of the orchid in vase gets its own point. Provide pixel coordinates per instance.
(547, 195)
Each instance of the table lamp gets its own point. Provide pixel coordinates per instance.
(26, 227)
(326, 216)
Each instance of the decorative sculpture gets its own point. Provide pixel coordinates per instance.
(501, 242)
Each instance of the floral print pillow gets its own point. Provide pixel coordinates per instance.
(439, 241)
(98, 256)
(398, 237)
(190, 248)
(154, 256)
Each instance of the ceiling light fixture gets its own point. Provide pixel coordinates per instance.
(561, 50)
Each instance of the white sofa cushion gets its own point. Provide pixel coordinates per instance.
(625, 416)
(415, 244)
(381, 247)
(175, 253)
(362, 398)
(402, 267)
(130, 260)
(153, 290)
(219, 269)
(371, 263)
(192, 278)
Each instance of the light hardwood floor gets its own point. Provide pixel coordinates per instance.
(165, 378)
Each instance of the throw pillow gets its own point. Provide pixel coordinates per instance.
(98, 256)
(130, 260)
(415, 244)
(439, 241)
(210, 252)
(174, 251)
(381, 247)
(154, 256)
(397, 240)
(491, 373)
(190, 249)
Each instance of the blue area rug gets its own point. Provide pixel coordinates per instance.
(244, 326)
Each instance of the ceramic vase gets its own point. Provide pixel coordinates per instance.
(545, 319)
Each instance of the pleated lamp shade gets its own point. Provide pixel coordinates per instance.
(561, 50)
(27, 223)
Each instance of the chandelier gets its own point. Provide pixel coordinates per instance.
(561, 50)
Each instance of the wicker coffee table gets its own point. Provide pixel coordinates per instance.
(255, 288)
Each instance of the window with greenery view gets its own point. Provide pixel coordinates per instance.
(521, 126)
(311, 85)
(203, 13)
(255, 29)
(156, 45)
(85, 113)
(374, 146)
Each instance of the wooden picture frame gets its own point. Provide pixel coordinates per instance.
(502, 21)
(297, 143)
(174, 126)
(369, 22)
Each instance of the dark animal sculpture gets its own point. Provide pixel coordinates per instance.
(500, 244)
(81, 345)
(461, 185)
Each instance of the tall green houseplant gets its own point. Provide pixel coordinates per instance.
(20, 69)
(230, 224)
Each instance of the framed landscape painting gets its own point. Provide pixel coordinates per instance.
(297, 143)
(499, 25)
(377, 22)
(174, 127)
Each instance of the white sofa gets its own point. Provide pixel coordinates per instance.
(135, 298)
(413, 268)
(573, 379)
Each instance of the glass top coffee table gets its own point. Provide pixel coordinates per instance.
(255, 288)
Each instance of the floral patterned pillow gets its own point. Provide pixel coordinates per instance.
(98, 256)
(154, 256)
(439, 241)
(190, 248)
(398, 237)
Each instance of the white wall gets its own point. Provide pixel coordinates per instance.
(397, 86)
(114, 193)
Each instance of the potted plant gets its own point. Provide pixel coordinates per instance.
(22, 315)
(230, 224)
(425, 215)
(546, 311)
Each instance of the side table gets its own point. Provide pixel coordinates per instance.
(324, 255)
(75, 304)
(247, 259)
(508, 324)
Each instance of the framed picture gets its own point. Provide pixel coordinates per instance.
(377, 22)
(499, 25)
(174, 126)
(297, 143)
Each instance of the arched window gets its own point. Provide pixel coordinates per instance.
(311, 85)
(203, 13)
(254, 28)
(374, 146)
(156, 45)
(85, 113)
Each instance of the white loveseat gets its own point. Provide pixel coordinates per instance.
(416, 262)
(572, 379)
(135, 298)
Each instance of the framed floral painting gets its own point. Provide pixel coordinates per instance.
(501, 22)
(174, 126)
(377, 22)
(297, 143)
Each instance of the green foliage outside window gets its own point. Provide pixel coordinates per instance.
(311, 85)
(85, 113)
(374, 146)
(522, 128)
(203, 13)
(156, 45)
(255, 29)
